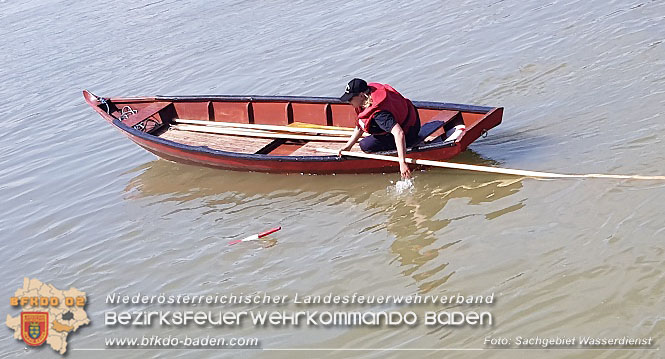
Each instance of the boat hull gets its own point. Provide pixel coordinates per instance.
(311, 164)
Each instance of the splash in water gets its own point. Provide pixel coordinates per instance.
(401, 187)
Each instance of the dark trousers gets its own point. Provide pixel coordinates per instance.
(379, 143)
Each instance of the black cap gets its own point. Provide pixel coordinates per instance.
(355, 87)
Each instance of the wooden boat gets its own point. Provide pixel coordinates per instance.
(277, 134)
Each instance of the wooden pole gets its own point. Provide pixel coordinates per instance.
(256, 133)
(507, 171)
(254, 126)
(320, 127)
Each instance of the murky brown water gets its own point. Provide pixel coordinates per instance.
(582, 84)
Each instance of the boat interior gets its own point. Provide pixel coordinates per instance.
(270, 127)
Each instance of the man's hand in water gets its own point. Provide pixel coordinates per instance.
(404, 170)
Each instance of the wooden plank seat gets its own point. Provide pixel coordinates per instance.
(438, 125)
(145, 112)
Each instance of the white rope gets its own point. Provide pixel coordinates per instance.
(507, 171)
(126, 112)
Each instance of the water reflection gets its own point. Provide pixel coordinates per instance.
(419, 221)
(179, 182)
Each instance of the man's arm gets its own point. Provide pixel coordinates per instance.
(357, 132)
(400, 143)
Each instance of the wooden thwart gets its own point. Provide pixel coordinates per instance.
(146, 112)
(507, 171)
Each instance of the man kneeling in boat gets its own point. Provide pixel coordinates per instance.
(390, 119)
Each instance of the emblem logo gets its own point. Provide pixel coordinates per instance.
(34, 327)
(348, 89)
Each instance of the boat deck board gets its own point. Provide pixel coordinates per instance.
(243, 144)
(214, 141)
(309, 149)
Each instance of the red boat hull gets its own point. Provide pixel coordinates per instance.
(478, 119)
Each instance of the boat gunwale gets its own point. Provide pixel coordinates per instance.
(425, 105)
